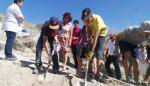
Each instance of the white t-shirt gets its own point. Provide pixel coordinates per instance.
(111, 47)
(11, 21)
(67, 27)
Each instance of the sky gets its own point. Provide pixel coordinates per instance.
(117, 14)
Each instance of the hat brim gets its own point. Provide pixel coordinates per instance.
(54, 27)
(85, 17)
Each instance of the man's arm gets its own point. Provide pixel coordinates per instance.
(46, 44)
(95, 40)
(19, 15)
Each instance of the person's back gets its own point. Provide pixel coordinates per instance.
(133, 36)
(136, 34)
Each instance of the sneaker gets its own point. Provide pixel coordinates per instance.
(130, 80)
(10, 59)
(64, 70)
(80, 73)
(138, 83)
(38, 70)
(101, 79)
(35, 71)
(144, 83)
(105, 76)
(56, 71)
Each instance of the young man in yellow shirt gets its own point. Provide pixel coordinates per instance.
(99, 32)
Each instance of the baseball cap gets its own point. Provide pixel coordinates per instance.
(54, 23)
(86, 14)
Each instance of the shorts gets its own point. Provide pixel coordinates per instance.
(125, 46)
(82, 51)
(99, 50)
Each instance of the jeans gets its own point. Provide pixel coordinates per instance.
(39, 48)
(9, 43)
(115, 61)
(74, 52)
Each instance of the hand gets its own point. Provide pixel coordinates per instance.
(25, 30)
(89, 55)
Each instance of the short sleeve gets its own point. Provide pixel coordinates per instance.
(17, 12)
(44, 29)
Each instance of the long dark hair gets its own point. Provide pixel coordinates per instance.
(68, 15)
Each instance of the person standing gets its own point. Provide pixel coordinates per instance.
(112, 57)
(75, 41)
(13, 23)
(65, 38)
(99, 32)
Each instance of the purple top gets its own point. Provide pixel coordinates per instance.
(84, 37)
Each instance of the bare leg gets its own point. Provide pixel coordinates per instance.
(65, 60)
(136, 69)
(99, 64)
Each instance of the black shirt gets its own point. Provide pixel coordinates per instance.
(47, 31)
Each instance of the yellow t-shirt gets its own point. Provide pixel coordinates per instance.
(98, 24)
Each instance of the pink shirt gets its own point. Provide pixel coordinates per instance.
(76, 33)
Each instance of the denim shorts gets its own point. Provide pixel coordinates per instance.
(99, 50)
(125, 46)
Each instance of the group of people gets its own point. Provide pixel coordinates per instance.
(88, 43)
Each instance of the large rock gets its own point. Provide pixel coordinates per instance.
(21, 43)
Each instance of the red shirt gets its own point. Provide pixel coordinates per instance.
(76, 33)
